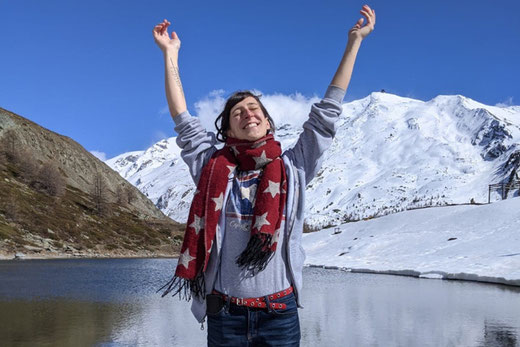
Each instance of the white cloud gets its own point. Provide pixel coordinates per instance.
(290, 109)
(506, 103)
(208, 108)
(100, 155)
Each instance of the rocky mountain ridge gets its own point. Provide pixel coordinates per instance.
(390, 154)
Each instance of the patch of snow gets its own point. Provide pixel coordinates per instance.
(478, 243)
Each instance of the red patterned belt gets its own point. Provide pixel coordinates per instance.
(260, 301)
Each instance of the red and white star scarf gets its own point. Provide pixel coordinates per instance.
(208, 203)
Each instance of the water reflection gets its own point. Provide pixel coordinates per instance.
(113, 302)
(375, 310)
(60, 323)
(497, 334)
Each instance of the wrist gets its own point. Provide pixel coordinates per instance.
(171, 53)
(354, 41)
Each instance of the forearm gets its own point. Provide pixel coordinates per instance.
(172, 79)
(344, 72)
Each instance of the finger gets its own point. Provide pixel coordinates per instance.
(367, 9)
(157, 29)
(174, 35)
(370, 18)
(164, 29)
(365, 13)
(371, 12)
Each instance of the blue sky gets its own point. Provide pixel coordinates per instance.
(91, 71)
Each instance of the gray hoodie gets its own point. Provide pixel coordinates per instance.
(302, 162)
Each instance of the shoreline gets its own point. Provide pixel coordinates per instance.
(43, 256)
(436, 275)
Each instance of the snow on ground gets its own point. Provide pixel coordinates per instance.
(471, 242)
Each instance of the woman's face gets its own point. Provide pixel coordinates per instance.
(247, 121)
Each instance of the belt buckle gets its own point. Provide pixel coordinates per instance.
(240, 301)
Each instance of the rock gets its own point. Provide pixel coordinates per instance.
(19, 255)
(32, 248)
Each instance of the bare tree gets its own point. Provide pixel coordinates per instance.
(125, 194)
(99, 194)
(12, 211)
(8, 144)
(130, 194)
(28, 165)
(121, 196)
(50, 179)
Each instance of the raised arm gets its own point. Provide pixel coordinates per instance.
(196, 143)
(355, 37)
(320, 128)
(170, 48)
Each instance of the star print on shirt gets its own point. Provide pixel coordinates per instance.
(248, 192)
(274, 188)
(185, 258)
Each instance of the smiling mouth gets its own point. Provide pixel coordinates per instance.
(250, 125)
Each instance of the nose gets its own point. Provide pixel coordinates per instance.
(249, 113)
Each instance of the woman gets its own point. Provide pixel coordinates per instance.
(241, 259)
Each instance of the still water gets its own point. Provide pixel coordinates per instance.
(112, 302)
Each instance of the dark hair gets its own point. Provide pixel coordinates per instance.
(222, 121)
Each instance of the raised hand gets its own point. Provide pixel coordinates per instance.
(163, 40)
(360, 31)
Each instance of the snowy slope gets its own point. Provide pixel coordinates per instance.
(390, 154)
(464, 242)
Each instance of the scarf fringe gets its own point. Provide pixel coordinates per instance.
(185, 288)
(257, 253)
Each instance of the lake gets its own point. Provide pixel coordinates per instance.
(112, 302)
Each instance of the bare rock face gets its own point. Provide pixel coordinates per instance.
(77, 164)
(92, 212)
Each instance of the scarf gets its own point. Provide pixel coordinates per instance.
(207, 205)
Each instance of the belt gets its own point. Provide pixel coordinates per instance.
(259, 302)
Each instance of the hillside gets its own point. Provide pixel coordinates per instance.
(57, 199)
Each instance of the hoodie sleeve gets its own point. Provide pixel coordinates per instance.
(196, 143)
(318, 133)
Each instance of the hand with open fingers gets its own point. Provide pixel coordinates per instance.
(360, 31)
(163, 40)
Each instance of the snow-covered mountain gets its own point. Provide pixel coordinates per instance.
(390, 154)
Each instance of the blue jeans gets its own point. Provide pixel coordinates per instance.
(243, 326)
